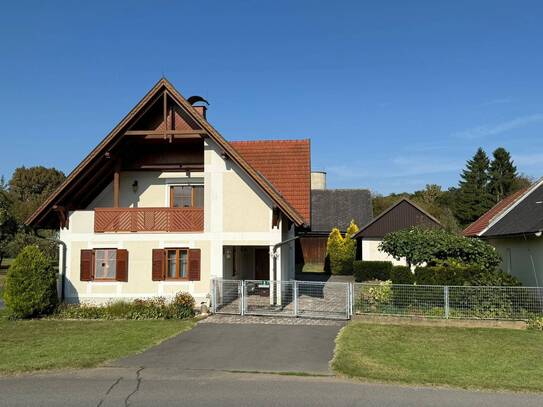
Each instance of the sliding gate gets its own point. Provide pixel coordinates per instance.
(281, 298)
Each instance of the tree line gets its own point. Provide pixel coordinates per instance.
(483, 183)
(19, 198)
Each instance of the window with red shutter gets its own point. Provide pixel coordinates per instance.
(86, 265)
(122, 265)
(158, 265)
(194, 264)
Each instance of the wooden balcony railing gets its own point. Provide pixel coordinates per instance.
(148, 220)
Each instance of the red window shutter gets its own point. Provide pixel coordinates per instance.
(158, 265)
(86, 264)
(122, 265)
(194, 264)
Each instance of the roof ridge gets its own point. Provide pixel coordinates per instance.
(305, 140)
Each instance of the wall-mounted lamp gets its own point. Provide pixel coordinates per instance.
(228, 254)
(135, 186)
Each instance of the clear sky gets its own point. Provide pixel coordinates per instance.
(392, 94)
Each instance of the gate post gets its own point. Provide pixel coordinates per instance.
(214, 295)
(242, 298)
(347, 300)
(446, 300)
(295, 293)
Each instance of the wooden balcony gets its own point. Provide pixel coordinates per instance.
(148, 220)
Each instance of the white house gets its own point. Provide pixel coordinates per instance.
(164, 204)
(514, 226)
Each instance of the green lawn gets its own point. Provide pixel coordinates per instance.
(463, 357)
(50, 344)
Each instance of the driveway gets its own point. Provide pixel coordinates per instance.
(243, 347)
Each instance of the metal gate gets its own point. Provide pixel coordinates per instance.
(282, 298)
(226, 296)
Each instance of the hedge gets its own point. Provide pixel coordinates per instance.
(372, 270)
(401, 275)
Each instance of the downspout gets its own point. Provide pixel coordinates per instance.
(63, 270)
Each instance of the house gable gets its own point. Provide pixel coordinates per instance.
(164, 127)
(402, 215)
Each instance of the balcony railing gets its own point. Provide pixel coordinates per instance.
(148, 220)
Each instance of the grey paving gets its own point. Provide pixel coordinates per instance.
(165, 387)
(243, 347)
(269, 320)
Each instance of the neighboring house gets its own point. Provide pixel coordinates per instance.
(164, 203)
(330, 208)
(402, 215)
(514, 226)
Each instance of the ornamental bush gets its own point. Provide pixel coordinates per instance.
(341, 250)
(181, 307)
(31, 285)
(420, 245)
(372, 270)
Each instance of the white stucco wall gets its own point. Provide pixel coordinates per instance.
(371, 252)
(236, 213)
(522, 258)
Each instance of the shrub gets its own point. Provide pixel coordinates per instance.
(181, 307)
(401, 275)
(372, 270)
(495, 278)
(536, 324)
(31, 285)
(374, 295)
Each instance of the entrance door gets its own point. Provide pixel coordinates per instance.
(262, 264)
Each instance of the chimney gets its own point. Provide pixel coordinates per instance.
(318, 180)
(201, 110)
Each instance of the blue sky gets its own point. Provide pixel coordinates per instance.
(392, 94)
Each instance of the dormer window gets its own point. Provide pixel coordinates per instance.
(187, 196)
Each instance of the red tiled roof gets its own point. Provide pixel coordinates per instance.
(286, 164)
(484, 221)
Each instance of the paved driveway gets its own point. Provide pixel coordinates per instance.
(243, 347)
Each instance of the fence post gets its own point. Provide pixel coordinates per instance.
(351, 298)
(446, 300)
(295, 293)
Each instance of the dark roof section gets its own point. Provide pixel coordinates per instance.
(332, 208)
(525, 217)
(402, 215)
(488, 217)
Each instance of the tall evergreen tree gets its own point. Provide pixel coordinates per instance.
(502, 174)
(473, 196)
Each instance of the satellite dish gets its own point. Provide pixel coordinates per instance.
(195, 99)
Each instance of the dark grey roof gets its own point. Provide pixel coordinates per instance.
(332, 208)
(402, 215)
(525, 217)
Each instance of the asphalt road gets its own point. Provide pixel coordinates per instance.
(170, 387)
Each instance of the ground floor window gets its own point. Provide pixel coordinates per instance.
(177, 264)
(105, 264)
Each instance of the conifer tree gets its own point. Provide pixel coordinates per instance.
(473, 196)
(502, 174)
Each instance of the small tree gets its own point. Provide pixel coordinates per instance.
(419, 245)
(31, 285)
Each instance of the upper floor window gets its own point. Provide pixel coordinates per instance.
(187, 196)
